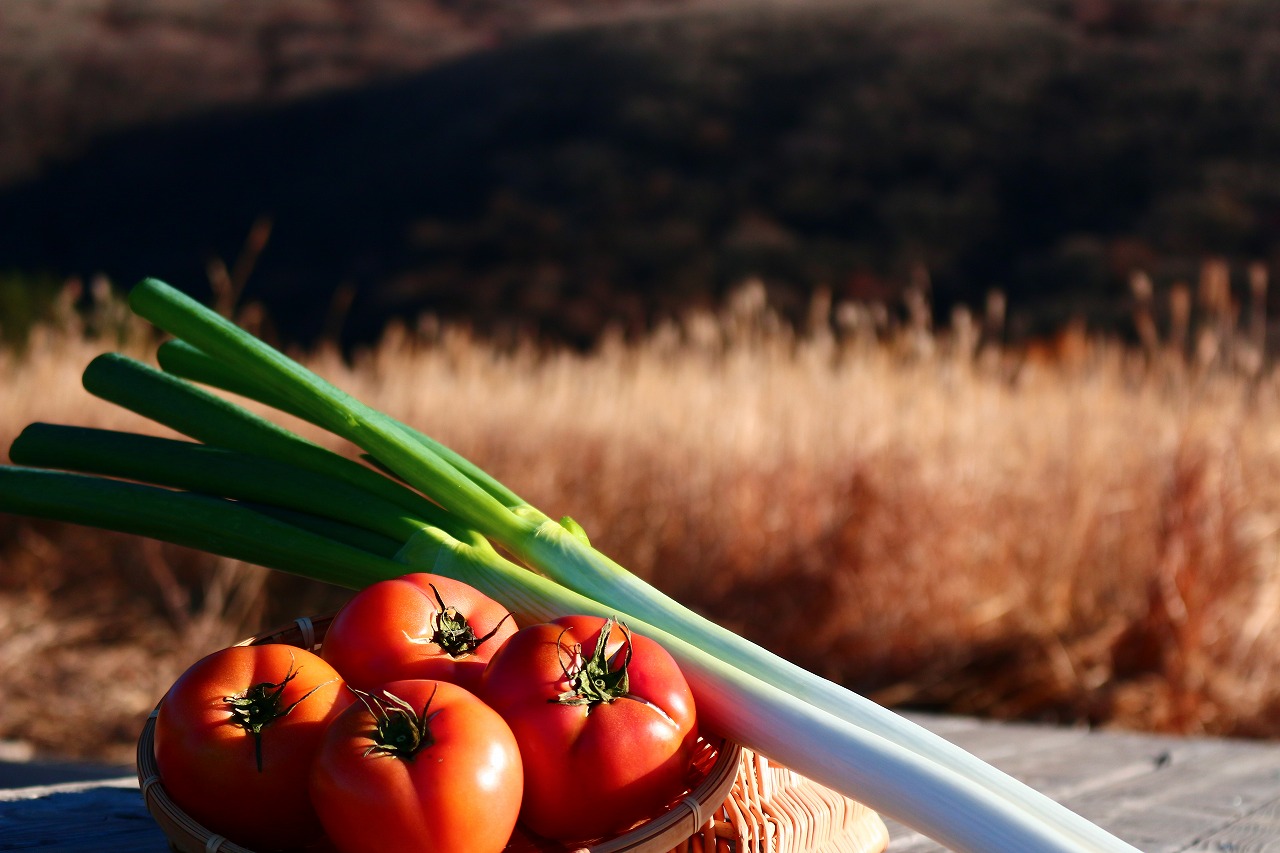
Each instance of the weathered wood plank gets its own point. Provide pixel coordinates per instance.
(1161, 794)
(1200, 787)
(101, 816)
(1255, 832)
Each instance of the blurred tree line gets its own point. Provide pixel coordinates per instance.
(610, 175)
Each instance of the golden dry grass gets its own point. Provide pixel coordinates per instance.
(1094, 537)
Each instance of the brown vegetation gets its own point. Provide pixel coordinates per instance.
(1087, 534)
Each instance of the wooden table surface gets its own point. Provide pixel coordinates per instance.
(1161, 794)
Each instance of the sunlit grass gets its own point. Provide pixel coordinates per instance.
(1080, 532)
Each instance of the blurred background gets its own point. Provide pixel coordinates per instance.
(926, 342)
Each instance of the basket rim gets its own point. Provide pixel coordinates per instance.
(681, 820)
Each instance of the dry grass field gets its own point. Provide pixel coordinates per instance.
(1070, 530)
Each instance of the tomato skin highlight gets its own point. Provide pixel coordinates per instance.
(209, 764)
(459, 793)
(383, 633)
(591, 774)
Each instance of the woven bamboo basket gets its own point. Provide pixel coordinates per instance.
(736, 802)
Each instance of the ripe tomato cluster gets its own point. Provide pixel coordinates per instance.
(429, 721)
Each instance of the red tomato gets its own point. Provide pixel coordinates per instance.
(605, 723)
(235, 738)
(416, 626)
(418, 765)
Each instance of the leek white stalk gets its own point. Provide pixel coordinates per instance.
(566, 558)
(893, 780)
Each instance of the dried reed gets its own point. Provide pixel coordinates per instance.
(1084, 533)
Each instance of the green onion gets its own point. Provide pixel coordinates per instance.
(594, 575)
(746, 694)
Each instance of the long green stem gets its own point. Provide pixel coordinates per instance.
(212, 470)
(182, 359)
(195, 412)
(361, 538)
(340, 413)
(195, 521)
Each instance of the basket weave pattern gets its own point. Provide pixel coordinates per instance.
(771, 808)
(738, 802)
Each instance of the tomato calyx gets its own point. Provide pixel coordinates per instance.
(260, 705)
(599, 679)
(451, 631)
(400, 731)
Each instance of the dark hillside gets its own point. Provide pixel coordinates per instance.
(609, 173)
(76, 70)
